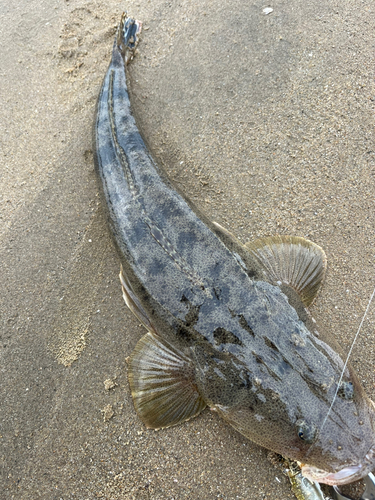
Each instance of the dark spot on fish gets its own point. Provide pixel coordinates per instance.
(135, 141)
(185, 238)
(223, 336)
(157, 267)
(270, 344)
(251, 273)
(232, 313)
(185, 333)
(242, 321)
(192, 315)
(346, 390)
(258, 358)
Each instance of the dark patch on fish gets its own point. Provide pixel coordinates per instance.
(244, 324)
(223, 336)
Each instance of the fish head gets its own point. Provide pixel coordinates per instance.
(277, 382)
(342, 449)
(335, 447)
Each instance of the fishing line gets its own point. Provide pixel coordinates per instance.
(347, 359)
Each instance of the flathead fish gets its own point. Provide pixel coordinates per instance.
(228, 324)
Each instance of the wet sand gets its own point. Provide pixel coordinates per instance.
(266, 122)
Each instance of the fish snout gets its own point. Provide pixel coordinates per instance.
(344, 476)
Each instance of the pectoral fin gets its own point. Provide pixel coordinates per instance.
(162, 383)
(293, 261)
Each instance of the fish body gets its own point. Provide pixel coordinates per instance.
(228, 325)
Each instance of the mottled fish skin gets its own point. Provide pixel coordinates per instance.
(256, 358)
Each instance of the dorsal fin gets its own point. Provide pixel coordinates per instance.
(293, 261)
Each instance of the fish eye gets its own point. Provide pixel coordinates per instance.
(306, 431)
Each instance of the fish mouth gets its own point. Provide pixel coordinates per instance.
(344, 476)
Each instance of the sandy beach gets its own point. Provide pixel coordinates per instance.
(266, 121)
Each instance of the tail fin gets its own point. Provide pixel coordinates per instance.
(128, 36)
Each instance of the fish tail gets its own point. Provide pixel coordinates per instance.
(127, 37)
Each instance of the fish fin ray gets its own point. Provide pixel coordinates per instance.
(223, 232)
(295, 261)
(132, 301)
(162, 383)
